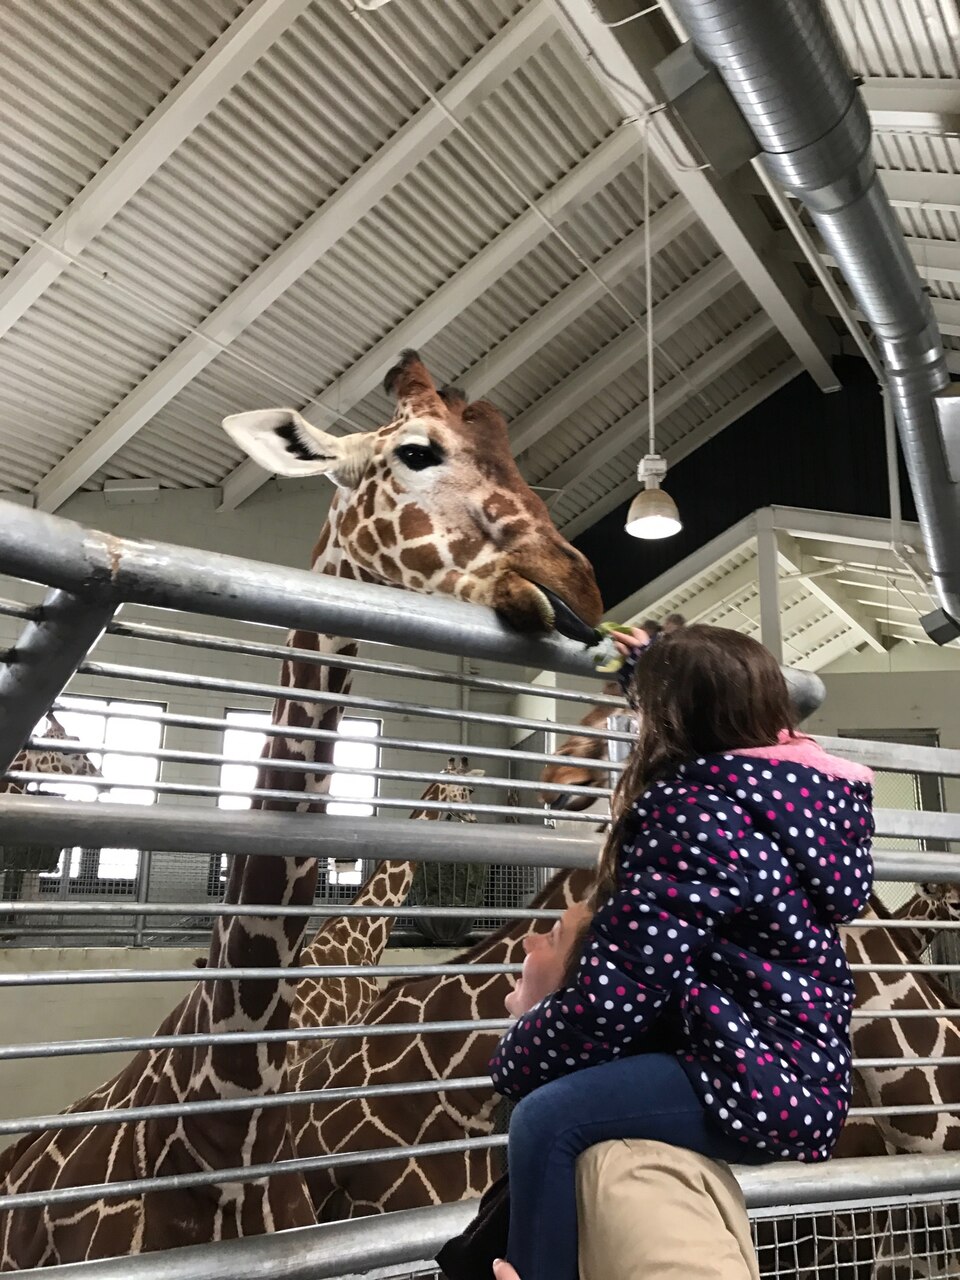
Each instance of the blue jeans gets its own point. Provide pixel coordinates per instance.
(647, 1096)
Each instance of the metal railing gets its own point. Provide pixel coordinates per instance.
(185, 833)
(786, 1203)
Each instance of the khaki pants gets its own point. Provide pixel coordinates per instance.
(647, 1211)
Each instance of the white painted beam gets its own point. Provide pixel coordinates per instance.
(768, 584)
(622, 59)
(946, 310)
(917, 106)
(830, 592)
(730, 588)
(905, 188)
(696, 377)
(934, 259)
(623, 353)
(509, 49)
(719, 422)
(829, 526)
(172, 120)
(912, 190)
(445, 303)
(705, 560)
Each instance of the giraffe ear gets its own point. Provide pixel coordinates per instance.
(284, 442)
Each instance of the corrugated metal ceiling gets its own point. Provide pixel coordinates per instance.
(327, 98)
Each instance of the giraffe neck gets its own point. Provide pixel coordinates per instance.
(268, 941)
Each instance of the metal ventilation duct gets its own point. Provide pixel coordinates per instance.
(783, 66)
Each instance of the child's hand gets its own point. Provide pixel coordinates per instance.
(627, 641)
(503, 1270)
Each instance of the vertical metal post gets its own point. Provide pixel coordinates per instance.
(768, 574)
(143, 892)
(44, 658)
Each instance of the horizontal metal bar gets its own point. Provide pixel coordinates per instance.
(896, 757)
(202, 829)
(197, 829)
(318, 910)
(167, 755)
(111, 977)
(306, 1097)
(386, 972)
(259, 649)
(351, 701)
(921, 1109)
(879, 923)
(358, 1246)
(905, 968)
(132, 1044)
(16, 609)
(180, 1110)
(445, 747)
(47, 653)
(867, 1014)
(300, 797)
(61, 553)
(242, 1173)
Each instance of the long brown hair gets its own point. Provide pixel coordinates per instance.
(698, 690)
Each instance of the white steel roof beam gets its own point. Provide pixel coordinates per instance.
(946, 310)
(695, 378)
(195, 96)
(509, 49)
(829, 592)
(445, 303)
(597, 373)
(918, 106)
(719, 422)
(934, 259)
(623, 59)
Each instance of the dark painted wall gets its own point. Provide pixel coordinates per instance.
(800, 448)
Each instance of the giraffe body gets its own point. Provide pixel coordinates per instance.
(433, 502)
(352, 940)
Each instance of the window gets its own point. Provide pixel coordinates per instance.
(352, 793)
(123, 726)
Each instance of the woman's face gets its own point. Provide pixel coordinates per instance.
(545, 960)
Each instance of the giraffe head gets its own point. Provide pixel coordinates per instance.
(936, 902)
(434, 502)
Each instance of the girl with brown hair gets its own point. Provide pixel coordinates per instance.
(708, 1003)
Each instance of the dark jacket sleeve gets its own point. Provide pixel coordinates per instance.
(677, 880)
(626, 672)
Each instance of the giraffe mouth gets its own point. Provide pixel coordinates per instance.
(565, 621)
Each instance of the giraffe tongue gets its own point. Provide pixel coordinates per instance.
(566, 621)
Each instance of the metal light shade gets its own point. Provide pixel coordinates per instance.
(653, 514)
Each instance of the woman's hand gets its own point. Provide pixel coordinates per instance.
(503, 1270)
(626, 641)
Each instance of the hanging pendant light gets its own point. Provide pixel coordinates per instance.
(653, 513)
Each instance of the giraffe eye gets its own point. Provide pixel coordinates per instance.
(420, 456)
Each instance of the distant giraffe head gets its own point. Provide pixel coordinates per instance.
(434, 502)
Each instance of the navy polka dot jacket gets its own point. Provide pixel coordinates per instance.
(721, 945)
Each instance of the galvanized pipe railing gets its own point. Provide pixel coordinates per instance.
(49, 549)
(193, 829)
(364, 1245)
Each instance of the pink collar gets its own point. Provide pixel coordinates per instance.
(808, 752)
